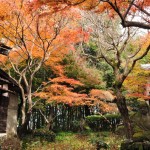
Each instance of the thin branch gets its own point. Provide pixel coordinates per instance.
(128, 9)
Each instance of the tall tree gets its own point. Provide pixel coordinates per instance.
(120, 50)
(35, 37)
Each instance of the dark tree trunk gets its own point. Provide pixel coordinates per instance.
(121, 104)
(51, 118)
(87, 110)
(23, 129)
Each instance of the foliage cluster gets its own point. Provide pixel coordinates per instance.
(103, 122)
(103, 117)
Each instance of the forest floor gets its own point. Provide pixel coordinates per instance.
(77, 141)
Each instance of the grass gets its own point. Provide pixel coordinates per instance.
(75, 141)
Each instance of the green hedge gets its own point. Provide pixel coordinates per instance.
(103, 122)
(102, 117)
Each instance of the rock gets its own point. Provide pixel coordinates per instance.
(135, 145)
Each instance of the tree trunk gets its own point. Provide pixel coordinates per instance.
(87, 110)
(25, 116)
(121, 104)
(23, 111)
(23, 129)
(51, 118)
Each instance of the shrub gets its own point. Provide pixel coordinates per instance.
(105, 122)
(80, 126)
(120, 130)
(103, 117)
(45, 134)
(98, 142)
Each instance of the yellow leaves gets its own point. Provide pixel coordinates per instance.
(146, 41)
(136, 82)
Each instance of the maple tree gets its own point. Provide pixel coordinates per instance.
(72, 87)
(59, 92)
(116, 49)
(34, 38)
(132, 13)
(69, 90)
(63, 90)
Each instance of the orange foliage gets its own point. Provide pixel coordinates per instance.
(103, 98)
(123, 8)
(42, 37)
(59, 92)
(70, 81)
(63, 23)
(136, 82)
(102, 95)
(88, 4)
(39, 29)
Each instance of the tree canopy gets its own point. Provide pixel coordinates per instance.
(130, 12)
(75, 51)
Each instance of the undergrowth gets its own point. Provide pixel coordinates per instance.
(74, 141)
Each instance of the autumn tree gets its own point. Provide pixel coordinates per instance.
(120, 50)
(138, 80)
(34, 36)
(114, 51)
(132, 13)
(74, 85)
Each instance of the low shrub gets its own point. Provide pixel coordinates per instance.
(98, 142)
(80, 126)
(44, 134)
(102, 117)
(103, 122)
(120, 130)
